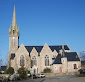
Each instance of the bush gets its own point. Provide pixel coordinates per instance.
(81, 75)
(22, 73)
(28, 72)
(10, 70)
(6, 71)
(47, 70)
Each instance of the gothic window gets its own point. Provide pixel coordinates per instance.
(22, 61)
(34, 61)
(46, 60)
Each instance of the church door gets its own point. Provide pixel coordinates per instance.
(35, 69)
(60, 69)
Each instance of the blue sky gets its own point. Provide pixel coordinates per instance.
(55, 22)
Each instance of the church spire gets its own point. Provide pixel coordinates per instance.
(14, 19)
(14, 30)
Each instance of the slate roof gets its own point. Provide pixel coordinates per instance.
(71, 56)
(57, 48)
(39, 48)
(58, 59)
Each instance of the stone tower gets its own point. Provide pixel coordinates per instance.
(13, 38)
(13, 35)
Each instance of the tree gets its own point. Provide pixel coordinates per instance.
(47, 70)
(6, 71)
(10, 70)
(28, 72)
(22, 73)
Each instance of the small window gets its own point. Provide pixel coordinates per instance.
(13, 31)
(75, 66)
(12, 55)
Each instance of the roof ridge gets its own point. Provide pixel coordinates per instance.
(48, 45)
(31, 46)
(70, 52)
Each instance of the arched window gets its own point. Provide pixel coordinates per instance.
(46, 60)
(75, 66)
(22, 61)
(34, 61)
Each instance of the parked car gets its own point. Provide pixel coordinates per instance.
(40, 75)
(34, 76)
(28, 75)
(82, 71)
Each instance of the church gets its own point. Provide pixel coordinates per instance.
(58, 58)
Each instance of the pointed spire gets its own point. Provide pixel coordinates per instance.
(14, 19)
(14, 30)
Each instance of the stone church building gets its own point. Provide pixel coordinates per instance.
(58, 58)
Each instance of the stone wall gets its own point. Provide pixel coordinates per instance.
(71, 68)
(59, 74)
(22, 51)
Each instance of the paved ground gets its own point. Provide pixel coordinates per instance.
(58, 79)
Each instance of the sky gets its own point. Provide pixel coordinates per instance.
(55, 22)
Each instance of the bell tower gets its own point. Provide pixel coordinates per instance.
(13, 35)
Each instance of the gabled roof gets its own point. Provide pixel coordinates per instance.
(39, 48)
(57, 48)
(72, 56)
(58, 59)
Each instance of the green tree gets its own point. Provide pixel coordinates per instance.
(6, 71)
(10, 70)
(28, 72)
(47, 70)
(22, 73)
